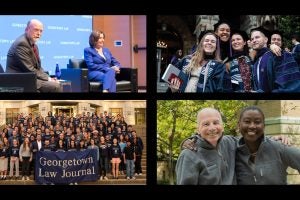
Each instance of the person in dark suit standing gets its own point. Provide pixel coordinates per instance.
(102, 66)
(23, 56)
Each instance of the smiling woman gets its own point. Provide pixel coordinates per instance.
(260, 160)
(204, 68)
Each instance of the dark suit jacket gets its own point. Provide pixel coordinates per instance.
(35, 147)
(21, 58)
(96, 63)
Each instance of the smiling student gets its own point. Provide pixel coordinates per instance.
(260, 160)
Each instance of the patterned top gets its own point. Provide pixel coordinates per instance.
(235, 73)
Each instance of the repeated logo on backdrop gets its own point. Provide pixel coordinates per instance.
(64, 37)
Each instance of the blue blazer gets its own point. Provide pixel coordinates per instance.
(96, 63)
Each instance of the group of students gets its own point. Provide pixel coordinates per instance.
(23, 56)
(222, 62)
(118, 149)
(211, 158)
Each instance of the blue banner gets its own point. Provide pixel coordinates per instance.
(66, 167)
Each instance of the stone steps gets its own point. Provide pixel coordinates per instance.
(120, 181)
(123, 176)
(116, 182)
(17, 182)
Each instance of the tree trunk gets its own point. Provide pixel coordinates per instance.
(170, 160)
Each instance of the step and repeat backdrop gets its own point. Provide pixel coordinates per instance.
(64, 37)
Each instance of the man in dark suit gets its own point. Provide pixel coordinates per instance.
(36, 146)
(23, 56)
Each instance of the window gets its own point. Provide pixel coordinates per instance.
(34, 110)
(11, 115)
(140, 116)
(115, 111)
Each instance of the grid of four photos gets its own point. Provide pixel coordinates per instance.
(95, 65)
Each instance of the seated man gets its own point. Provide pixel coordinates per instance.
(23, 56)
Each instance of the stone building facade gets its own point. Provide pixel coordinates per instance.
(134, 111)
(282, 117)
(242, 22)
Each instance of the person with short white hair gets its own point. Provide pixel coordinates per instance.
(23, 56)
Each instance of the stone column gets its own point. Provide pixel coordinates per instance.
(83, 107)
(248, 22)
(129, 114)
(205, 22)
(44, 108)
(2, 116)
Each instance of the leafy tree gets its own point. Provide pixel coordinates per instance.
(176, 120)
(288, 24)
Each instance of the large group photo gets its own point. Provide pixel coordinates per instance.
(73, 142)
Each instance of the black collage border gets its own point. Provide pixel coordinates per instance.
(151, 9)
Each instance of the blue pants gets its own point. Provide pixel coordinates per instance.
(108, 79)
(129, 168)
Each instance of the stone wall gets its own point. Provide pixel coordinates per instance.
(162, 171)
(283, 117)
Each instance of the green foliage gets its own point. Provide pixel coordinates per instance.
(288, 24)
(176, 120)
(183, 113)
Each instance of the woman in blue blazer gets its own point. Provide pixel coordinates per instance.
(102, 66)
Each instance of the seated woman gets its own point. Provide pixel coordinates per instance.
(204, 69)
(102, 66)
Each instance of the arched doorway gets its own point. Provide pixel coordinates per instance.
(174, 32)
(168, 35)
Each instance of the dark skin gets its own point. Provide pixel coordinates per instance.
(252, 126)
